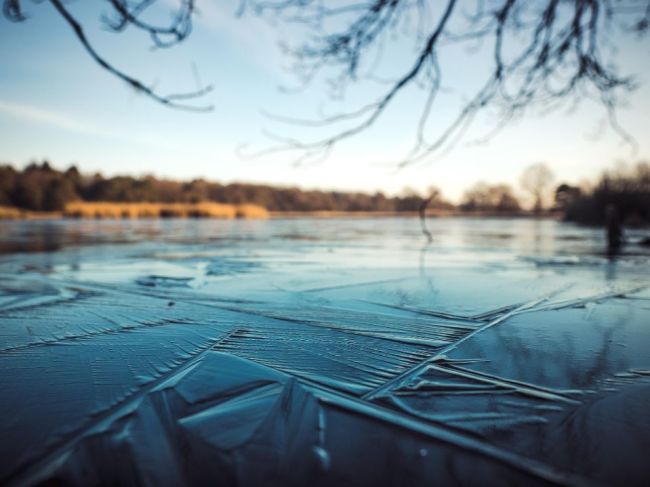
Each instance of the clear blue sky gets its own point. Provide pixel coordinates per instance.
(56, 103)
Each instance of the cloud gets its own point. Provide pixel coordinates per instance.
(64, 121)
(34, 114)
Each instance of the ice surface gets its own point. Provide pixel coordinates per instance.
(321, 352)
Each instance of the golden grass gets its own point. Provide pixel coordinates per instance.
(248, 210)
(13, 213)
(81, 209)
(10, 213)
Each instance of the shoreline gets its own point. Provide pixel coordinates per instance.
(10, 213)
(404, 214)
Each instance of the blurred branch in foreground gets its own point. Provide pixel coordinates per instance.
(123, 14)
(540, 54)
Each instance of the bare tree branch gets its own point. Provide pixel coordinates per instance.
(543, 52)
(122, 15)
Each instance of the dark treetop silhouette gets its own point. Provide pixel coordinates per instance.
(541, 54)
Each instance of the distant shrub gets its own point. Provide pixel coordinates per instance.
(628, 190)
(497, 198)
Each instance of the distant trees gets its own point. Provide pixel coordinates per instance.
(536, 180)
(40, 188)
(625, 188)
(565, 196)
(37, 187)
(496, 198)
(7, 184)
(410, 200)
(57, 193)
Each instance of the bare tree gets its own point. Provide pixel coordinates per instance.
(435, 197)
(536, 180)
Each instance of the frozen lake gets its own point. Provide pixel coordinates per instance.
(322, 352)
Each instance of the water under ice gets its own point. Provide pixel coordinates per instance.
(322, 352)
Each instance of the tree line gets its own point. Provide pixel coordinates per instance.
(40, 187)
(627, 189)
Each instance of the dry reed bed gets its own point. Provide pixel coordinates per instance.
(10, 213)
(13, 213)
(80, 209)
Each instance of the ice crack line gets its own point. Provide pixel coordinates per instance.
(441, 353)
(28, 474)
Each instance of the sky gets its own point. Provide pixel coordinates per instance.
(56, 103)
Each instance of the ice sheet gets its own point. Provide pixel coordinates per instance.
(321, 352)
